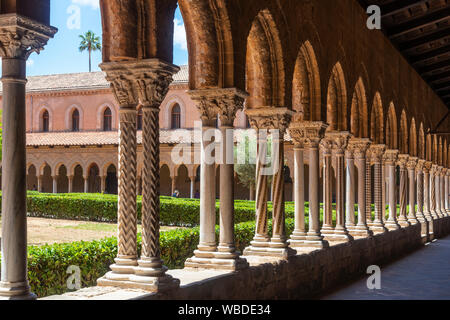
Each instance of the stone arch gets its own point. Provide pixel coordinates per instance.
(391, 128)
(413, 139)
(94, 182)
(166, 181)
(101, 110)
(32, 180)
(47, 180)
(68, 117)
(182, 181)
(421, 146)
(78, 178)
(62, 185)
(306, 94)
(72, 167)
(111, 179)
(265, 68)
(337, 100)
(359, 113)
(403, 133)
(376, 120)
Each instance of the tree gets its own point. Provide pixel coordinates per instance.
(90, 42)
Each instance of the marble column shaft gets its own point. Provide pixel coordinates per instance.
(390, 159)
(299, 233)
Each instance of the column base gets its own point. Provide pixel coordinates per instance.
(378, 228)
(435, 215)
(313, 240)
(150, 267)
(413, 220)
(151, 284)
(218, 263)
(392, 225)
(16, 291)
(404, 223)
(360, 231)
(327, 230)
(122, 269)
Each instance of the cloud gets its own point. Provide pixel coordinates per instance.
(93, 3)
(179, 37)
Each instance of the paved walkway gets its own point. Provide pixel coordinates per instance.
(423, 275)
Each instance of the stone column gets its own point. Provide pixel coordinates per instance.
(122, 82)
(359, 148)
(40, 183)
(192, 193)
(442, 193)
(420, 192)
(299, 234)
(427, 191)
(390, 159)
(277, 121)
(340, 140)
(173, 188)
(19, 37)
(70, 183)
(327, 226)
(310, 134)
(447, 190)
(152, 87)
(411, 166)
(86, 184)
(55, 184)
(350, 191)
(433, 191)
(103, 184)
(437, 181)
(403, 191)
(376, 153)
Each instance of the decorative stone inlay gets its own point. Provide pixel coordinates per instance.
(21, 36)
(222, 103)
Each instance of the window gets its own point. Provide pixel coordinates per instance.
(176, 117)
(139, 119)
(107, 120)
(76, 120)
(45, 121)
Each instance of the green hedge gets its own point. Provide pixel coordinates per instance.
(47, 264)
(103, 208)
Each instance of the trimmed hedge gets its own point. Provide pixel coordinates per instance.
(47, 264)
(103, 208)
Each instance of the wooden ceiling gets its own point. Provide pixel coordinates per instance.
(420, 30)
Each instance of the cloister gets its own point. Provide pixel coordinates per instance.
(355, 110)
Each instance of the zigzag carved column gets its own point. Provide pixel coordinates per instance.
(376, 154)
(310, 134)
(390, 159)
(359, 148)
(119, 74)
(411, 166)
(274, 119)
(402, 162)
(19, 38)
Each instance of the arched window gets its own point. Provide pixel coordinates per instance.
(107, 120)
(45, 121)
(139, 119)
(176, 117)
(76, 120)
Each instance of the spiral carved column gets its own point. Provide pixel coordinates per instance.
(376, 154)
(403, 192)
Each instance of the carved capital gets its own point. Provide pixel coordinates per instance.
(402, 160)
(122, 80)
(21, 36)
(359, 147)
(412, 163)
(337, 141)
(376, 153)
(427, 166)
(390, 157)
(307, 133)
(420, 165)
(270, 118)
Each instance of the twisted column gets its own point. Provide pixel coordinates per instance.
(309, 134)
(411, 166)
(403, 192)
(299, 234)
(376, 152)
(359, 148)
(390, 159)
(19, 37)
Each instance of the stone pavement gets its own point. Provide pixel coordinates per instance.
(423, 275)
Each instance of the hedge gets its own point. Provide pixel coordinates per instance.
(103, 208)
(47, 264)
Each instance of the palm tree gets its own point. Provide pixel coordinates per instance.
(90, 42)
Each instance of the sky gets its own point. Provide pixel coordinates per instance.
(75, 17)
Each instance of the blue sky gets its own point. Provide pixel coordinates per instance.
(61, 54)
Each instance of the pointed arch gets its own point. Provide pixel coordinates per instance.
(359, 115)
(429, 147)
(376, 120)
(264, 65)
(444, 153)
(435, 149)
(337, 100)
(440, 156)
(413, 138)
(306, 96)
(421, 144)
(391, 128)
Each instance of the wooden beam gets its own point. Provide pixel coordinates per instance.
(435, 66)
(428, 38)
(430, 54)
(400, 6)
